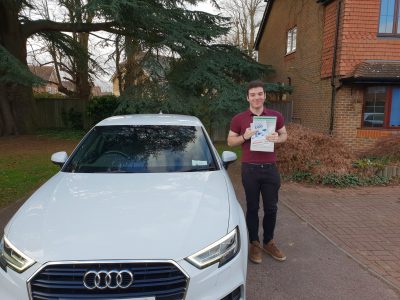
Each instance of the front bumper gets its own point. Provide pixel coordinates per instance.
(209, 284)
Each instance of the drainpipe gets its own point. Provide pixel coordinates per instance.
(333, 77)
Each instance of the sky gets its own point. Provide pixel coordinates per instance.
(207, 7)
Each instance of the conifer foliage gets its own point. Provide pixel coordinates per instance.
(200, 70)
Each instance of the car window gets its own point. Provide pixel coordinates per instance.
(142, 149)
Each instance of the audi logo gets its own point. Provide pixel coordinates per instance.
(107, 279)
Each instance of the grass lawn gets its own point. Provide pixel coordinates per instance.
(25, 161)
(22, 174)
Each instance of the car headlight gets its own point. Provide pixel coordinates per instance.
(11, 257)
(221, 251)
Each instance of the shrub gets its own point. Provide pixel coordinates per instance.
(345, 180)
(308, 151)
(310, 156)
(301, 176)
(376, 180)
(72, 119)
(388, 147)
(101, 107)
(369, 166)
(337, 180)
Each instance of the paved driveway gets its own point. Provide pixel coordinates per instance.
(364, 222)
(316, 267)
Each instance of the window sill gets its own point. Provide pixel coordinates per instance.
(377, 132)
(290, 56)
(388, 36)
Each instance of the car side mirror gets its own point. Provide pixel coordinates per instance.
(228, 157)
(59, 158)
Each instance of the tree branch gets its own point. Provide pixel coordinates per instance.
(32, 27)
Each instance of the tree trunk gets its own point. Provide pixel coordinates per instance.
(8, 123)
(82, 76)
(18, 109)
(133, 68)
(117, 64)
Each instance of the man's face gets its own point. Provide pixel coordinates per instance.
(256, 97)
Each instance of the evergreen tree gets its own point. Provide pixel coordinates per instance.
(202, 69)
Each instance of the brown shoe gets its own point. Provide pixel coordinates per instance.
(255, 254)
(272, 250)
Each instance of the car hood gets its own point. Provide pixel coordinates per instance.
(122, 216)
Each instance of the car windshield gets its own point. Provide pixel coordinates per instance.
(142, 149)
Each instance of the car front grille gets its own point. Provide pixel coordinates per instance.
(162, 280)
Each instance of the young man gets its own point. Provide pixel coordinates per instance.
(259, 172)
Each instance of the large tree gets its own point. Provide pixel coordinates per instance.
(245, 18)
(164, 25)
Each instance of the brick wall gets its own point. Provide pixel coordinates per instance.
(348, 115)
(116, 91)
(359, 36)
(359, 41)
(329, 34)
(348, 121)
(311, 96)
(310, 67)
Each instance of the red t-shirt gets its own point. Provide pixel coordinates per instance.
(242, 121)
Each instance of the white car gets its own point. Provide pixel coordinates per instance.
(142, 209)
(373, 119)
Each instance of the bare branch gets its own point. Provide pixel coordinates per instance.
(245, 20)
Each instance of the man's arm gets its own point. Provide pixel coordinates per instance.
(235, 139)
(278, 137)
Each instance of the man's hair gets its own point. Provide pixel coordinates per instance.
(254, 84)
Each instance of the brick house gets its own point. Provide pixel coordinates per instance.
(94, 90)
(358, 41)
(48, 74)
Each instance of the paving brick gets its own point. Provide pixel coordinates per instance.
(364, 222)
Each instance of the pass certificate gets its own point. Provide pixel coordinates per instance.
(264, 126)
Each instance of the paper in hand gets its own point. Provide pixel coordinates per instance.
(264, 126)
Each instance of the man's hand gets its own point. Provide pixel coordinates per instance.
(249, 133)
(235, 139)
(278, 137)
(273, 137)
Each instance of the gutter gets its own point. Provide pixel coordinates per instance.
(333, 77)
(263, 23)
(366, 80)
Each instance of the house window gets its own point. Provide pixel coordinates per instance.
(382, 107)
(389, 18)
(291, 40)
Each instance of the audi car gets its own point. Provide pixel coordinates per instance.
(142, 209)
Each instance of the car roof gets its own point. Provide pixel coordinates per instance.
(151, 119)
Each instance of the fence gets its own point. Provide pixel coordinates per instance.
(390, 171)
(285, 108)
(51, 111)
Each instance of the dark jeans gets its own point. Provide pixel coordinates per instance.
(264, 179)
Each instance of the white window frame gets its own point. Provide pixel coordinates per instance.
(291, 40)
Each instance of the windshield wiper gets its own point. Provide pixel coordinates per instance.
(117, 171)
(200, 169)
